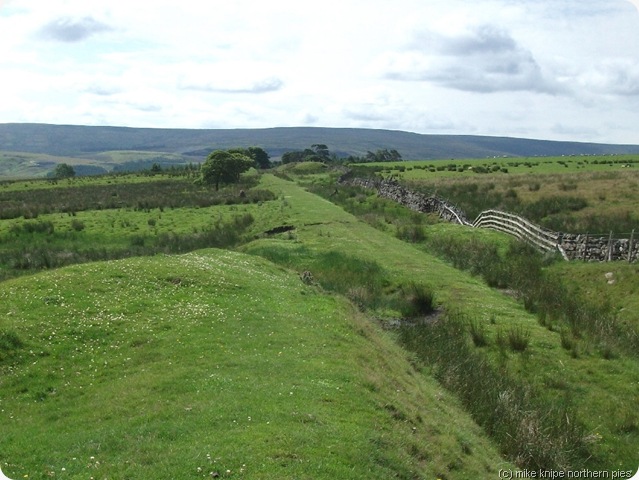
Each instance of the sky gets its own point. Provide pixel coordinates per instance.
(545, 69)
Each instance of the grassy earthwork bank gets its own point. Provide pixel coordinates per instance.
(341, 337)
(547, 375)
(213, 362)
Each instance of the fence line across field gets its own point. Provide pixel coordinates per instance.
(586, 247)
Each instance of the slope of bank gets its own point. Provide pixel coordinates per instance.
(214, 363)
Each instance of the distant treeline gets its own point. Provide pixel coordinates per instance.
(320, 152)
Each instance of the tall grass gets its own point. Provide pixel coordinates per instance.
(521, 269)
(147, 195)
(41, 255)
(10, 343)
(536, 432)
(366, 283)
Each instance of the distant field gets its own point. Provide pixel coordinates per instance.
(22, 165)
(474, 166)
(574, 194)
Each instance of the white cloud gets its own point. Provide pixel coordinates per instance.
(67, 29)
(483, 59)
(538, 68)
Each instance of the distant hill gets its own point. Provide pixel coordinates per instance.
(91, 143)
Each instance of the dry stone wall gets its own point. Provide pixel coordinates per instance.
(599, 248)
(571, 246)
(414, 200)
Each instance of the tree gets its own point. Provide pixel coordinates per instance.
(63, 170)
(321, 150)
(292, 157)
(317, 153)
(222, 166)
(383, 155)
(260, 156)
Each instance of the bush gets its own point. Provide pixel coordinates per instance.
(518, 339)
(137, 240)
(77, 225)
(417, 300)
(9, 340)
(411, 233)
(41, 226)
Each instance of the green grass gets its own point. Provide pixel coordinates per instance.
(616, 283)
(588, 380)
(161, 313)
(572, 194)
(88, 219)
(179, 366)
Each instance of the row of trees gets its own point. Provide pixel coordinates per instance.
(226, 166)
(320, 153)
(381, 155)
(317, 153)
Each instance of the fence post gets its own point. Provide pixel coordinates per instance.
(632, 237)
(610, 246)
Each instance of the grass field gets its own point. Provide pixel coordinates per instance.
(589, 381)
(176, 366)
(179, 366)
(23, 165)
(573, 194)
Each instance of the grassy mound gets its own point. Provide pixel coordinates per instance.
(213, 362)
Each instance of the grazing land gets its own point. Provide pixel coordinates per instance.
(589, 194)
(329, 334)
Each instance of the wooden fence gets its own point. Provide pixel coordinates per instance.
(584, 247)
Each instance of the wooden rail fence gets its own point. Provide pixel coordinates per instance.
(585, 247)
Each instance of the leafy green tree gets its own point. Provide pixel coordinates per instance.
(223, 166)
(292, 157)
(321, 150)
(317, 153)
(63, 170)
(260, 156)
(383, 155)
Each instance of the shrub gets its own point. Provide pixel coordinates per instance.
(10, 343)
(568, 342)
(77, 225)
(137, 240)
(41, 226)
(411, 233)
(417, 300)
(9, 340)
